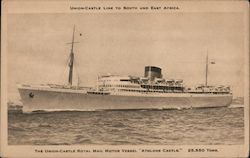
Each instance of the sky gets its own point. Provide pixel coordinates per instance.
(123, 44)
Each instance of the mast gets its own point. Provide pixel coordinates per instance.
(206, 69)
(71, 60)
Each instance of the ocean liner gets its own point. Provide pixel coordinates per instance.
(114, 92)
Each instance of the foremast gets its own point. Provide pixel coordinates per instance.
(71, 59)
(206, 69)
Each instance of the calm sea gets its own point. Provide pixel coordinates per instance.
(207, 126)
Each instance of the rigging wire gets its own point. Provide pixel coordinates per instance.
(77, 72)
(63, 73)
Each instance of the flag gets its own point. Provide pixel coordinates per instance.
(212, 62)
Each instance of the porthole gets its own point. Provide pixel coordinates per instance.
(31, 95)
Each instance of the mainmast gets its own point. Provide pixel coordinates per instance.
(206, 69)
(71, 59)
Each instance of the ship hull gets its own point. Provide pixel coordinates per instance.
(37, 99)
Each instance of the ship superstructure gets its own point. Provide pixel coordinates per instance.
(114, 92)
(152, 82)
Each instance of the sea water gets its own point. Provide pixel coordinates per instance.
(206, 126)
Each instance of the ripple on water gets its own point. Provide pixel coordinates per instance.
(166, 127)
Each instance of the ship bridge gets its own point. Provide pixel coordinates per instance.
(117, 82)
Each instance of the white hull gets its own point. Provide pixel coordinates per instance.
(66, 99)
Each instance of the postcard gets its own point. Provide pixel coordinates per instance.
(124, 78)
